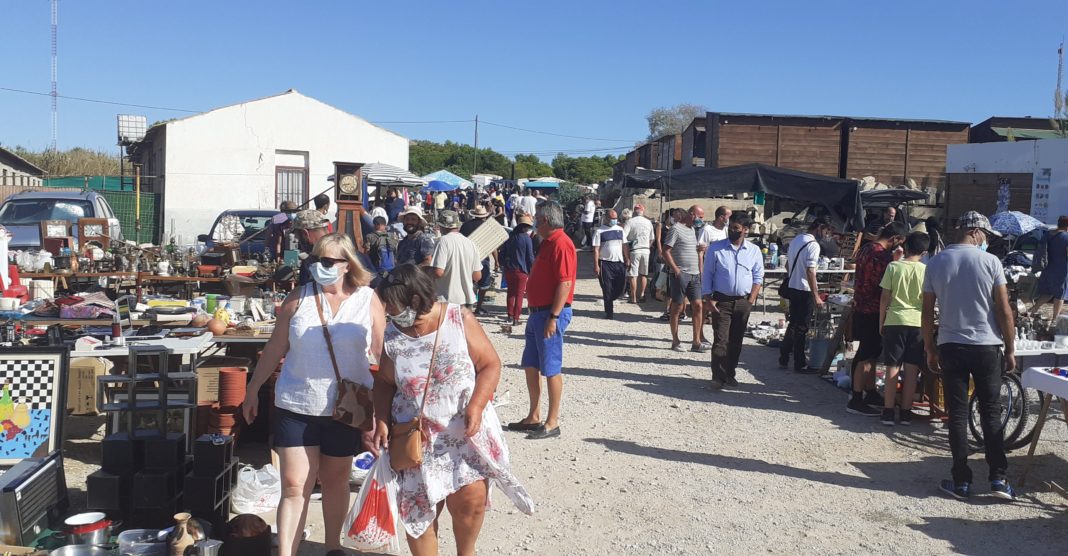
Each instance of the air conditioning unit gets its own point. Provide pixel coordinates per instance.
(33, 495)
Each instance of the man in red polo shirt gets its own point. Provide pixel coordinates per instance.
(550, 291)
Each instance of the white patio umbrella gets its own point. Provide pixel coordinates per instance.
(387, 175)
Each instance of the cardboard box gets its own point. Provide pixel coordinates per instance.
(208, 376)
(82, 385)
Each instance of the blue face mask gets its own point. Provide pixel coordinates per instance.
(613, 222)
(324, 276)
(984, 246)
(698, 222)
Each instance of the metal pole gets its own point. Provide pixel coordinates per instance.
(475, 170)
(137, 201)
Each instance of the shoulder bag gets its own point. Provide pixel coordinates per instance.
(784, 286)
(406, 439)
(354, 405)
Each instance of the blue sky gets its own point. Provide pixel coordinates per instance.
(582, 68)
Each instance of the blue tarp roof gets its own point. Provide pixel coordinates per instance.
(449, 178)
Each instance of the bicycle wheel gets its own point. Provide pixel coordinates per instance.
(1031, 400)
(1006, 397)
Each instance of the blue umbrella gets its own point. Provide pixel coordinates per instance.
(438, 185)
(1015, 223)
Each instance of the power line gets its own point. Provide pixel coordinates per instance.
(559, 134)
(98, 101)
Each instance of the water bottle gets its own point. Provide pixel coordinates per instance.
(364, 461)
(774, 250)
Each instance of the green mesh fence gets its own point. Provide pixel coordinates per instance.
(124, 203)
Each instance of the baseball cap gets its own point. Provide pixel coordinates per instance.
(310, 219)
(973, 219)
(448, 219)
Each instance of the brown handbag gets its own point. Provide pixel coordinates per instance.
(406, 439)
(354, 405)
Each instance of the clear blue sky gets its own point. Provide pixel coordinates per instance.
(577, 67)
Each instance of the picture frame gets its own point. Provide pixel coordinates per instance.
(55, 229)
(33, 401)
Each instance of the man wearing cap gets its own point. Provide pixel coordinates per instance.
(610, 260)
(417, 247)
(975, 340)
(638, 232)
(456, 263)
(478, 215)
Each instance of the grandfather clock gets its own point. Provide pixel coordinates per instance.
(348, 194)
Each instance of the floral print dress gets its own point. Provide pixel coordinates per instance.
(450, 459)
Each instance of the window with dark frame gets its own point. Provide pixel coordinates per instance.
(291, 184)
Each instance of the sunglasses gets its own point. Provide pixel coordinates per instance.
(329, 262)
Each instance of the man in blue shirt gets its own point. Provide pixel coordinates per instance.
(730, 283)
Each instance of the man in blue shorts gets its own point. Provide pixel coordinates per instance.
(550, 291)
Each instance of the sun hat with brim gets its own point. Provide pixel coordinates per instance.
(525, 219)
(973, 219)
(412, 209)
(479, 212)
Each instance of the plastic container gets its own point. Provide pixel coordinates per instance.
(141, 542)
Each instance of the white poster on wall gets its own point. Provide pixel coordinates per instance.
(1040, 194)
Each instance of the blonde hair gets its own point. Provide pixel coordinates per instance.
(356, 276)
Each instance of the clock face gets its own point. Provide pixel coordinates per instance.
(349, 185)
(93, 230)
(56, 230)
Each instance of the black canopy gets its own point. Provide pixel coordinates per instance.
(839, 196)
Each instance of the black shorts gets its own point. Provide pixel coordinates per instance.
(293, 430)
(866, 331)
(902, 344)
(684, 287)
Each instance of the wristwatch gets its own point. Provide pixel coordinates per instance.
(554, 317)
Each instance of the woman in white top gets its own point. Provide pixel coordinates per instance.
(309, 442)
(463, 447)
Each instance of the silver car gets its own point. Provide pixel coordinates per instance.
(23, 212)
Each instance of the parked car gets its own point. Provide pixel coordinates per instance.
(874, 202)
(254, 220)
(23, 212)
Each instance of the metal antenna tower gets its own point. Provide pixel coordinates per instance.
(55, 96)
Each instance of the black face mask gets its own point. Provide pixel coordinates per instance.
(734, 235)
(410, 228)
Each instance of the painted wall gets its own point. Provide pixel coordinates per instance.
(1018, 157)
(226, 158)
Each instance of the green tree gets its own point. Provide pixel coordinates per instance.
(669, 120)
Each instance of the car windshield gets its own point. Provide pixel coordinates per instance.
(17, 212)
(254, 224)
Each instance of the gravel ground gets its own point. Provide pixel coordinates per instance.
(651, 461)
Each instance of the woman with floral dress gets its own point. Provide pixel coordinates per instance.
(463, 446)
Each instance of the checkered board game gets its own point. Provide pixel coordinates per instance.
(30, 380)
(30, 414)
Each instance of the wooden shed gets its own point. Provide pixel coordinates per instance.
(1001, 128)
(693, 144)
(806, 143)
(846, 147)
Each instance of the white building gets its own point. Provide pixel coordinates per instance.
(1046, 160)
(17, 171)
(254, 155)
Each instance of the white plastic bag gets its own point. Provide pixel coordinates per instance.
(257, 491)
(373, 522)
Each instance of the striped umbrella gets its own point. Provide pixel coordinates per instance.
(388, 175)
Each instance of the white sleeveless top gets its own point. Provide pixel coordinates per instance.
(307, 384)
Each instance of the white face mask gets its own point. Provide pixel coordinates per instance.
(403, 319)
(324, 276)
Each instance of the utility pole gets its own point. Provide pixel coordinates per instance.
(54, 95)
(475, 169)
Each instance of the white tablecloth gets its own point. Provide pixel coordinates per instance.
(1040, 378)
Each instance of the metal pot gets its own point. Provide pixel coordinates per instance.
(91, 528)
(84, 550)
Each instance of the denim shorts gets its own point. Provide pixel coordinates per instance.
(292, 430)
(539, 352)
